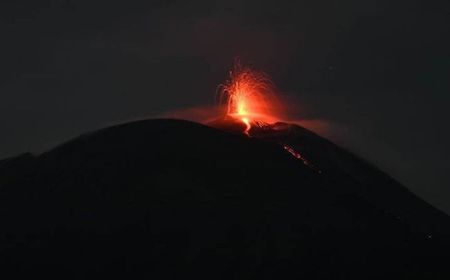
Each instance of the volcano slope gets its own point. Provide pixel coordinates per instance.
(173, 199)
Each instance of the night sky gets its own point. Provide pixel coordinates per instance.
(373, 76)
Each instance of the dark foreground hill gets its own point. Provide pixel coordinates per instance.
(168, 199)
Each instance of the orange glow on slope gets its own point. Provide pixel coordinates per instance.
(248, 126)
(249, 96)
(299, 156)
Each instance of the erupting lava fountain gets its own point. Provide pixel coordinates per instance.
(249, 97)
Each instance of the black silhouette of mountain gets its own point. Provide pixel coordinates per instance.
(172, 199)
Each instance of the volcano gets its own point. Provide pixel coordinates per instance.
(173, 199)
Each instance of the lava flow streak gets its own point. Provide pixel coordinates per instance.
(249, 96)
(299, 156)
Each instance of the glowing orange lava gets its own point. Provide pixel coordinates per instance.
(249, 96)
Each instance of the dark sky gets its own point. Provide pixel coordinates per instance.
(374, 74)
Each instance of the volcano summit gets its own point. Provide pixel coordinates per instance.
(173, 199)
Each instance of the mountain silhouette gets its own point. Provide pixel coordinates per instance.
(173, 199)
